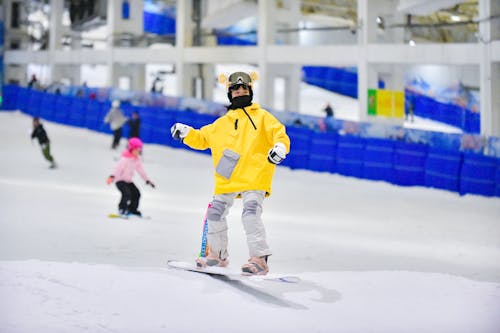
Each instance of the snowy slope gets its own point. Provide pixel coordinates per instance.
(373, 257)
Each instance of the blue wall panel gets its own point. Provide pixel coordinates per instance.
(34, 102)
(409, 163)
(350, 155)
(378, 159)
(47, 106)
(300, 140)
(442, 169)
(22, 99)
(62, 108)
(497, 180)
(93, 118)
(9, 95)
(478, 174)
(323, 152)
(77, 111)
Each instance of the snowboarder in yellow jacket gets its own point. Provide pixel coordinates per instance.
(246, 144)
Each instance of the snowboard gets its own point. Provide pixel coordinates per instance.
(231, 273)
(129, 217)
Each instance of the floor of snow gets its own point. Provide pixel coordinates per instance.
(372, 256)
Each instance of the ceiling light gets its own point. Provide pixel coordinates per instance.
(455, 18)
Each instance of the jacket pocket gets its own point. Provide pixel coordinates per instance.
(227, 163)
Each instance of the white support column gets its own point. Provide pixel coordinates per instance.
(183, 30)
(14, 73)
(363, 37)
(208, 83)
(265, 37)
(489, 72)
(117, 25)
(55, 35)
(110, 80)
(293, 75)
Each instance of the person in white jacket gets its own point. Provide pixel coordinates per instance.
(123, 174)
(116, 119)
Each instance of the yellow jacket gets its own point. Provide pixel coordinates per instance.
(240, 144)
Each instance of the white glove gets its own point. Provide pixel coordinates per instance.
(179, 131)
(277, 154)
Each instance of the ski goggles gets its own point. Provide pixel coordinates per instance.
(239, 78)
(238, 86)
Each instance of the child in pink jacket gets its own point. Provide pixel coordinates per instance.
(122, 175)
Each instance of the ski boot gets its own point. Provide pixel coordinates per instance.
(124, 214)
(136, 214)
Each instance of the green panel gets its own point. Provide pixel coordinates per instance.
(372, 102)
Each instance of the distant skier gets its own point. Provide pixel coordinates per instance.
(123, 174)
(43, 139)
(116, 119)
(135, 125)
(246, 144)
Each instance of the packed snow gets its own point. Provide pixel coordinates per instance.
(371, 256)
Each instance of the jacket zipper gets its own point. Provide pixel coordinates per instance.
(255, 127)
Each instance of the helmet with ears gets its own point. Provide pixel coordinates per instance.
(236, 80)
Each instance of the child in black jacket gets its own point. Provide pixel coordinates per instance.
(40, 133)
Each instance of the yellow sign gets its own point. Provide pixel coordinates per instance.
(389, 103)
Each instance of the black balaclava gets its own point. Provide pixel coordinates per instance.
(236, 80)
(240, 102)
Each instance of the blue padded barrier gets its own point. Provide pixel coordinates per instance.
(442, 169)
(478, 174)
(331, 78)
(378, 159)
(409, 163)
(350, 155)
(160, 133)
(77, 111)
(9, 95)
(34, 102)
(300, 140)
(472, 122)
(93, 118)
(148, 119)
(47, 106)
(424, 106)
(62, 109)
(201, 120)
(323, 152)
(334, 76)
(22, 99)
(231, 40)
(497, 179)
(160, 24)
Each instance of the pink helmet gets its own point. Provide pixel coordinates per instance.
(134, 143)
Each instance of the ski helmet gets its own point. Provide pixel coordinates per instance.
(237, 79)
(134, 143)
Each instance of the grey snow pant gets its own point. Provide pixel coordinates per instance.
(250, 217)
